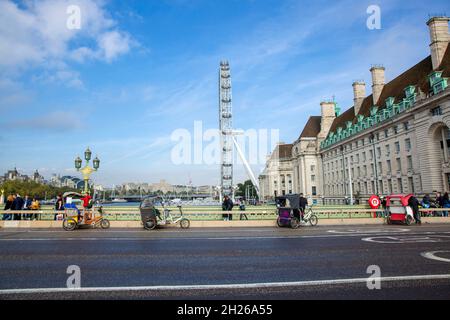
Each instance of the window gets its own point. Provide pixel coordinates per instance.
(314, 191)
(379, 152)
(313, 178)
(410, 162)
(399, 165)
(357, 158)
(389, 167)
(370, 155)
(378, 136)
(399, 185)
(380, 168)
(406, 126)
(397, 147)
(365, 171)
(395, 129)
(364, 158)
(411, 185)
(313, 168)
(436, 111)
(386, 133)
(388, 149)
(408, 144)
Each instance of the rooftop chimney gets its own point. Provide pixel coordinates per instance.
(439, 39)
(359, 93)
(328, 113)
(377, 82)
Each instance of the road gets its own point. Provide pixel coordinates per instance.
(232, 263)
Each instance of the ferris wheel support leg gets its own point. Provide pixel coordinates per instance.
(247, 166)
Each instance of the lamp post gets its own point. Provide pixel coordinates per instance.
(87, 170)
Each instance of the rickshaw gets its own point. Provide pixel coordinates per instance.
(291, 215)
(151, 216)
(75, 218)
(398, 209)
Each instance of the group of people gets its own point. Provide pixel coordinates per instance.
(14, 202)
(440, 201)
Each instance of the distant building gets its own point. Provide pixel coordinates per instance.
(276, 179)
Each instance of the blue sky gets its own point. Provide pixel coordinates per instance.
(138, 70)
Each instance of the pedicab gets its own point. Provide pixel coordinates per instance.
(398, 210)
(76, 215)
(151, 214)
(288, 213)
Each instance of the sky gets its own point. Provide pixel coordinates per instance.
(135, 72)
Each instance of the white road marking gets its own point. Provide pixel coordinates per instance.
(351, 231)
(227, 286)
(432, 255)
(408, 239)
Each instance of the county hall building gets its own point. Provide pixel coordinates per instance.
(395, 140)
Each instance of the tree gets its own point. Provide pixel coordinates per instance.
(242, 187)
(33, 189)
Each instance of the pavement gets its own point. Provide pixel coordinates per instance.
(324, 262)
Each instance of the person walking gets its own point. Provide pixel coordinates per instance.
(8, 205)
(242, 216)
(17, 205)
(26, 206)
(303, 202)
(59, 205)
(414, 204)
(445, 204)
(35, 205)
(227, 205)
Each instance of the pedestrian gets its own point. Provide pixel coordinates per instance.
(59, 205)
(8, 205)
(426, 201)
(383, 213)
(414, 204)
(243, 216)
(35, 205)
(227, 205)
(17, 205)
(437, 203)
(302, 202)
(445, 203)
(26, 206)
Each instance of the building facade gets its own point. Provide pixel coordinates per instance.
(395, 140)
(276, 178)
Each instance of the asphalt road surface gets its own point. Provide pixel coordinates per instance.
(234, 263)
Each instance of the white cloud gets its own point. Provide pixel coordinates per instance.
(35, 35)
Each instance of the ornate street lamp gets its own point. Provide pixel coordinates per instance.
(87, 170)
(87, 154)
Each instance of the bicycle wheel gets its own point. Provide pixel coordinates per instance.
(150, 224)
(69, 224)
(295, 223)
(313, 220)
(104, 224)
(184, 223)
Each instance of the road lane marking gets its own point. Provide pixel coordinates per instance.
(227, 286)
(352, 231)
(408, 239)
(432, 255)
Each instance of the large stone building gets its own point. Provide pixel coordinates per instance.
(276, 179)
(395, 140)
